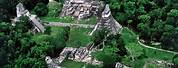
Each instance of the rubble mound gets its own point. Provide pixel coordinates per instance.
(82, 54)
(81, 8)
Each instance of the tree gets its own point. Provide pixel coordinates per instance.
(144, 26)
(4, 16)
(113, 45)
(134, 51)
(18, 49)
(54, 9)
(175, 60)
(157, 29)
(168, 37)
(172, 17)
(24, 24)
(41, 9)
(108, 56)
(157, 13)
(100, 35)
(145, 31)
(60, 1)
(173, 12)
(149, 16)
(8, 7)
(144, 18)
(120, 45)
(3, 58)
(129, 8)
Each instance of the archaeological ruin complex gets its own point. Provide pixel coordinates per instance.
(81, 8)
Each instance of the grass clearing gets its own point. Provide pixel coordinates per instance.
(79, 37)
(134, 47)
(72, 64)
(54, 30)
(45, 37)
(128, 36)
(69, 19)
(91, 20)
(66, 19)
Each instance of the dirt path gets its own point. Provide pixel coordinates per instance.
(70, 24)
(150, 47)
(155, 47)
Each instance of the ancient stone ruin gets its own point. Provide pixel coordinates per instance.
(82, 54)
(85, 9)
(120, 65)
(108, 21)
(51, 63)
(21, 11)
(81, 8)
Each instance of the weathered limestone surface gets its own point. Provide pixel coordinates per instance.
(119, 65)
(81, 8)
(108, 21)
(84, 9)
(21, 11)
(51, 63)
(82, 54)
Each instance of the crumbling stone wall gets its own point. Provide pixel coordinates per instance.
(81, 8)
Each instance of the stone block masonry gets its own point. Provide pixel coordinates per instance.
(80, 8)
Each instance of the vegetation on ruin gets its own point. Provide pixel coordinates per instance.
(151, 21)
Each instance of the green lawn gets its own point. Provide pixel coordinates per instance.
(54, 9)
(55, 31)
(79, 37)
(66, 19)
(69, 19)
(136, 49)
(92, 20)
(128, 36)
(72, 64)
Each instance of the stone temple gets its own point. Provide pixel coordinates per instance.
(35, 21)
(108, 21)
(81, 8)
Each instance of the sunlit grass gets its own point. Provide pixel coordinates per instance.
(79, 37)
(71, 64)
(130, 37)
(69, 19)
(66, 19)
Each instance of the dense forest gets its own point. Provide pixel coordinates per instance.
(155, 21)
(17, 49)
